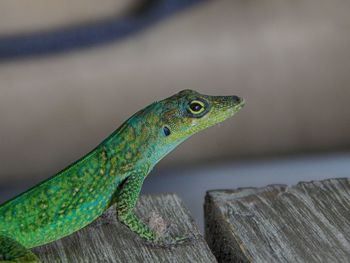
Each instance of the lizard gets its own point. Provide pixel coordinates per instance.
(110, 174)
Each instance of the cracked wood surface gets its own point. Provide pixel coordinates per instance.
(308, 222)
(107, 240)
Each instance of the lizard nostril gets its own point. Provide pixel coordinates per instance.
(236, 99)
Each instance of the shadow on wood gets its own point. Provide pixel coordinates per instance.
(106, 240)
(309, 222)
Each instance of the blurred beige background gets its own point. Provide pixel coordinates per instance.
(289, 59)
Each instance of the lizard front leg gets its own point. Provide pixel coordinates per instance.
(12, 251)
(126, 199)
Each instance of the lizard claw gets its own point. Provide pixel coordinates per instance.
(182, 239)
(169, 242)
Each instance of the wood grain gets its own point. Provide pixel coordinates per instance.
(107, 240)
(308, 222)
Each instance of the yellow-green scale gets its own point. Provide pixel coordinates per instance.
(62, 204)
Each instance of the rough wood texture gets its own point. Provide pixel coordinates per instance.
(309, 222)
(107, 240)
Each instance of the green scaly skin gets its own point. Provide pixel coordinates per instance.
(112, 173)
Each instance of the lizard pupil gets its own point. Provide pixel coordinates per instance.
(195, 107)
(166, 131)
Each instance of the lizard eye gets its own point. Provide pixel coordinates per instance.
(196, 107)
(166, 131)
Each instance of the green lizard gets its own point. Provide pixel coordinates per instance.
(112, 173)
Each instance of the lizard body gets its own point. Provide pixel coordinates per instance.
(111, 173)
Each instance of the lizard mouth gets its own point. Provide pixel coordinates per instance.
(240, 105)
(230, 111)
(236, 105)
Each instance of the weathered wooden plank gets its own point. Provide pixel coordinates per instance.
(107, 240)
(309, 222)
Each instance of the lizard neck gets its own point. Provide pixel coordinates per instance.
(137, 144)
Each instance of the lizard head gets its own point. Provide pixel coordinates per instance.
(189, 112)
(157, 129)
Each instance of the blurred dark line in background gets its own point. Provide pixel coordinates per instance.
(140, 17)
